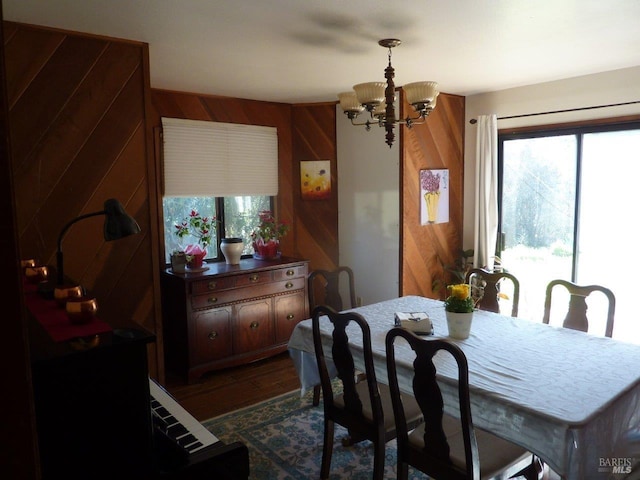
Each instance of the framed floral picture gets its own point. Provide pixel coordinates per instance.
(434, 196)
(315, 179)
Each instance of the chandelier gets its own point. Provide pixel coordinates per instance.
(378, 98)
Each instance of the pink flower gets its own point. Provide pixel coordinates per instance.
(194, 250)
(430, 182)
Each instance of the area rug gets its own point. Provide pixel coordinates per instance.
(284, 437)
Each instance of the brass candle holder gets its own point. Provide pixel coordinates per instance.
(36, 273)
(63, 293)
(81, 310)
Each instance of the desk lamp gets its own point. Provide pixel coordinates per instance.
(117, 224)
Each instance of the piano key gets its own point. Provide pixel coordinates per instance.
(197, 437)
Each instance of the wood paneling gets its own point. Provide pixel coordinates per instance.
(78, 120)
(20, 460)
(314, 138)
(304, 133)
(436, 145)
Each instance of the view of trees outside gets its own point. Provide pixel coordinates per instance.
(240, 218)
(538, 215)
(538, 209)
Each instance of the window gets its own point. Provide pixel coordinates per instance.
(237, 217)
(564, 213)
(223, 170)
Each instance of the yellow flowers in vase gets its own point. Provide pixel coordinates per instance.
(459, 308)
(459, 299)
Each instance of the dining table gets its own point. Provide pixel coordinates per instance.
(567, 396)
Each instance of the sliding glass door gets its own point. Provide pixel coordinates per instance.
(567, 211)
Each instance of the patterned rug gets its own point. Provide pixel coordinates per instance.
(284, 437)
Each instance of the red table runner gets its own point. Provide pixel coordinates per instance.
(55, 320)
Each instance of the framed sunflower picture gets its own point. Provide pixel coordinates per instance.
(315, 179)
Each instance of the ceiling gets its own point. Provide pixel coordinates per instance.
(299, 51)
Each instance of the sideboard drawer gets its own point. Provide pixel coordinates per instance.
(216, 298)
(289, 285)
(253, 278)
(211, 285)
(290, 272)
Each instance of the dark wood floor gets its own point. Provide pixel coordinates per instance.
(227, 390)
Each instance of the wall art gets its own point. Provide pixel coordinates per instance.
(434, 196)
(315, 179)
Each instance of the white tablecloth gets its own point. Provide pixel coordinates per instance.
(570, 397)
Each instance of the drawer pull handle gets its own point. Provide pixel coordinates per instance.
(212, 335)
(254, 325)
(212, 299)
(212, 285)
(290, 316)
(290, 273)
(288, 285)
(254, 278)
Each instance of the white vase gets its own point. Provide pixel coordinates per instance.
(459, 324)
(232, 249)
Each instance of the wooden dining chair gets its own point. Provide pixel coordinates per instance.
(327, 287)
(576, 317)
(493, 286)
(490, 283)
(444, 447)
(363, 408)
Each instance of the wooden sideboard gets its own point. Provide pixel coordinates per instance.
(231, 314)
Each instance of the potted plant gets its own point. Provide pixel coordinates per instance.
(455, 272)
(459, 307)
(202, 228)
(266, 236)
(178, 261)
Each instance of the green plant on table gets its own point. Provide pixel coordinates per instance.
(459, 299)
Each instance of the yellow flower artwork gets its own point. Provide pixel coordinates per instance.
(315, 180)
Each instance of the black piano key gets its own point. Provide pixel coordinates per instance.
(193, 446)
(160, 423)
(163, 412)
(186, 440)
(171, 420)
(176, 430)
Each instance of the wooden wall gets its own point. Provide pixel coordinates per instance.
(314, 138)
(77, 110)
(20, 460)
(304, 133)
(438, 145)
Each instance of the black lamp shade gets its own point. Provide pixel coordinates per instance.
(118, 224)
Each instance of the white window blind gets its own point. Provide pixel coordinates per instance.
(219, 159)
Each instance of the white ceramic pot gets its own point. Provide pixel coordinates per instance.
(459, 324)
(232, 249)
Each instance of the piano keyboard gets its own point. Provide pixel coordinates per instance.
(176, 423)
